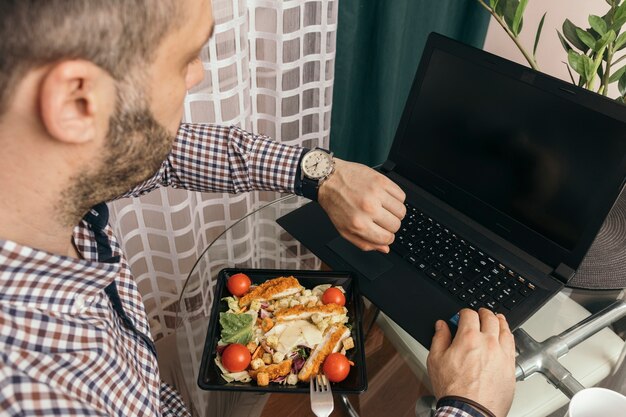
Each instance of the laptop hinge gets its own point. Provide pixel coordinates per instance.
(387, 166)
(563, 273)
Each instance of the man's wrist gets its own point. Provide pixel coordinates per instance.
(471, 407)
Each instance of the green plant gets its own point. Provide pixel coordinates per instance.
(591, 52)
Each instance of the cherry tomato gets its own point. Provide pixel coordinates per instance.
(336, 367)
(334, 295)
(238, 284)
(236, 357)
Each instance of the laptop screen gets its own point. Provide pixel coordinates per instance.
(538, 158)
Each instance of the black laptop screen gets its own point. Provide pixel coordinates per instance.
(538, 158)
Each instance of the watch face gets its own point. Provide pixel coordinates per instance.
(317, 164)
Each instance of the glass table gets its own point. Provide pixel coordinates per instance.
(398, 382)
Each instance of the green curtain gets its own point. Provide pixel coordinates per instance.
(379, 45)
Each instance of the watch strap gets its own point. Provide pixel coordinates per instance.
(297, 184)
(310, 188)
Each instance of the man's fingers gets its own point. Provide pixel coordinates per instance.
(507, 341)
(395, 207)
(489, 323)
(468, 320)
(374, 234)
(363, 244)
(442, 338)
(394, 190)
(388, 222)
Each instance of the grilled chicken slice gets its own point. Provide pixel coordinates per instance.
(303, 313)
(272, 290)
(331, 343)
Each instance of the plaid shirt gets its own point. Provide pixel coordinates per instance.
(74, 335)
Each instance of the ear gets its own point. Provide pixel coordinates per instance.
(76, 100)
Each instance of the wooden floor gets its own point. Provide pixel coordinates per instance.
(392, 387)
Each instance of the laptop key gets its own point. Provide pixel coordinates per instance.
(421, 265)
(433, 273)
(462, 283)
(524, 291)
(492, 304)
(412, 258)
(499, 297)
(474, 304)
(453, 288)
(513, 302)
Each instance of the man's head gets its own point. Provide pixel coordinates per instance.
(95, 87)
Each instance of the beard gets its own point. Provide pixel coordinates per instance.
(135, 148)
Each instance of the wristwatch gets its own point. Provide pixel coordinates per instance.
(316, 166)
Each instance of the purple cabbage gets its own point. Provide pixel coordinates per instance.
(297, 363)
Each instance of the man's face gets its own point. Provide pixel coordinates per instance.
(147, 114)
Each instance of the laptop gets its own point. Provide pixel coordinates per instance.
(509, 174)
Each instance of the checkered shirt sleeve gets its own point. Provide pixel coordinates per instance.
(171, 403)
(224, 159)
(448, 411)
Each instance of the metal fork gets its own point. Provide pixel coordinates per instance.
(321, 396)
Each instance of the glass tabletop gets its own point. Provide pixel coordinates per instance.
(396, 368)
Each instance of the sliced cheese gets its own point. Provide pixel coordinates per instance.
(296, 332)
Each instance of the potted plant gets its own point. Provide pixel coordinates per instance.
(594, 54)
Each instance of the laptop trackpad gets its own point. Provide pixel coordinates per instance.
(369, 264)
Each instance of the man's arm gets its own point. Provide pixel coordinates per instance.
(365, 206)
(475, 372)
(211, 158)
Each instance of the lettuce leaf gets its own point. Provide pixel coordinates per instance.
(236, 328)
(233, 305)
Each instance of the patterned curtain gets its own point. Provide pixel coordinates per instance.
(269, 68)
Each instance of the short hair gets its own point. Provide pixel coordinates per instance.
(115, 35)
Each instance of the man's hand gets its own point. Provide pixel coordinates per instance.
(479, 364)
(364, 205)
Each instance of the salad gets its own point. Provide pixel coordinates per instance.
(281, 332)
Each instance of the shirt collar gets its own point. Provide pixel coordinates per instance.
(46, 281)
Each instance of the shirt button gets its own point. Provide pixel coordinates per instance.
(79, 304)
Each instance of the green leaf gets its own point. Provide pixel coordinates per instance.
(517, 18)
(589, 68)
(622, 84)
(602, 43)
(575, 61)
(619, 18)
(236, 328)
(569, 31)
(586, 38)
(598, 24)
(566, 45)
(620, 42)
(506, 9)
(617, 74)
(538, 34)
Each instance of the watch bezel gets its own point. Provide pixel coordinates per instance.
(328, 155)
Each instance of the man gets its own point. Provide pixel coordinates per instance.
(91, 98)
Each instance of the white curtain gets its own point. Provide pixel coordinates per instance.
(269, 68)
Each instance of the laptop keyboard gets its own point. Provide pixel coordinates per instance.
(475, 278)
